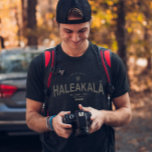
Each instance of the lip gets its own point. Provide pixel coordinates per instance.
(76, 43)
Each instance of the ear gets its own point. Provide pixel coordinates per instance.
(55, 22)
(91, 20)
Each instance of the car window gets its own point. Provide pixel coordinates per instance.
(11, 62)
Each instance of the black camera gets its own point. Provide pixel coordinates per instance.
(80, 121)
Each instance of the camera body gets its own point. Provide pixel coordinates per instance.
(80, 121)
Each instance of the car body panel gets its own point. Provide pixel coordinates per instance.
(13, 72)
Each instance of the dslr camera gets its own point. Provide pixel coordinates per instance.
(80, 121)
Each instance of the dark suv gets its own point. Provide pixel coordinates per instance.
(13, 72)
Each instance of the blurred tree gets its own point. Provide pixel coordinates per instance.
(146, 7)
(109, 21)
(2, 42)
(30, 22)
(47, 30)
(121, 31)
(16, 15)
(103, 24)
(24, 15)
(8, 26)
(139, 27)
(1, 39)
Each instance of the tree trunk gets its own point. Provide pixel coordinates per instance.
(2, 42)
(2, 46)
(120, 31)
(32, 24)
(24, 17)
(147, 48)
(149, 63)
(29, 24)
(18, 25)
(147, 39)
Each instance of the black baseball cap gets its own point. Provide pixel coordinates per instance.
(64, 6)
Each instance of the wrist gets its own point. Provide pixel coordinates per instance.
(103, 116)
(49, 122)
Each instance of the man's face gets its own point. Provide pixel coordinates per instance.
(74, 36)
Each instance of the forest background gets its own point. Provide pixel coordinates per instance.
(125, 27)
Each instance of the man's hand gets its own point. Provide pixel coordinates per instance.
(97, 118)
(61, 129)
(115, 118)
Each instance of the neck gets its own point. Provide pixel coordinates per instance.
(75, 52)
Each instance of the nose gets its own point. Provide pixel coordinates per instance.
(75, 37)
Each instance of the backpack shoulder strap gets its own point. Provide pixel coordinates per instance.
(106, 61)
(105, 56)
(49, 57)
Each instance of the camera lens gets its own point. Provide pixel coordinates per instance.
(71, 116)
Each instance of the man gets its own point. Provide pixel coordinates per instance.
(70, 91)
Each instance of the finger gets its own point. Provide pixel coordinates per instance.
(66, 133)
(94, 127)
(66, 126)
(84, 108)
(80, 106)
(93, 117)
(63, 132)
(62, 113)
(88, 109)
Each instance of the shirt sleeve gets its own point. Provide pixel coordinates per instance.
(35, 79)
(119, 76)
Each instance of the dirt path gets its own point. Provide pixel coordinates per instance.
(137, 136)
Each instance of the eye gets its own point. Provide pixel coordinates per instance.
(68, 31)
(83, 30)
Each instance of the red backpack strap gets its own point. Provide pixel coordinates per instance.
(49, 58)
(49, 65)
(106, 60)
(51, 68)
(107, 57)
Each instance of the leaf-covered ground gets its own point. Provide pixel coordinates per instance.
(137, 136)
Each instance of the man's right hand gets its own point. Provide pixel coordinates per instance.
(61, 129)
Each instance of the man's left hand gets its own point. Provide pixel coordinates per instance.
(97, 118)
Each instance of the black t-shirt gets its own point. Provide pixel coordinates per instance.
(82, 80)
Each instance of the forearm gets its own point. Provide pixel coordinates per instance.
(118, 117)
(36, 122)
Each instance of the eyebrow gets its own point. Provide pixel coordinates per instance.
(69, 30)
(66, 29)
